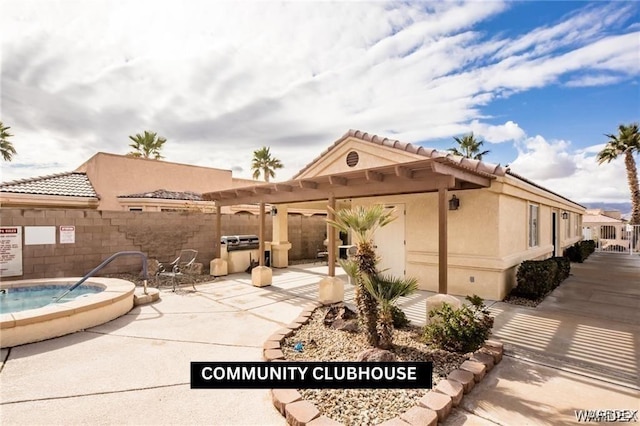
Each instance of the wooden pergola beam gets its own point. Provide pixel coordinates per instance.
(337, 180)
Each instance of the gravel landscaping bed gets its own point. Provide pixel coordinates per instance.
(521, 301)
(363, 406)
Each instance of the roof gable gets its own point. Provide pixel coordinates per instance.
(373, 151)
(70, 184)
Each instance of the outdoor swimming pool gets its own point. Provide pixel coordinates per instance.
(22, 298)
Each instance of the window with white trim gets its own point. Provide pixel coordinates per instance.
(534, 231)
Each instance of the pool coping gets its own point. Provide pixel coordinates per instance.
(54, 320)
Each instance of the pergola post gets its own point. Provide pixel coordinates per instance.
(218, 230)
(442, 240)
(261, 234)
(218, 266)
(261, 275)
(331, 235)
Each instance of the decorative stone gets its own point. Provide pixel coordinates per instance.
(494, 344)
(465, 378)
(331, 290)
(436, 302)
(496, 354)
(478, 369)
(271, 344)
(261, 276)
(438, 402)
(282, 397)
(376, 355)
(452, 389)
(483, 358)
(300, 413)
(272, 354)
(324, 421)
(419, 416)
(396, 421)
(218, 267)
(285, 331)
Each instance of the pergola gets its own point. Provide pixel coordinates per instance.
(422, 176)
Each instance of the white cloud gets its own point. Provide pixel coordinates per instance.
(593, 80)
(574, 174)
(506, 132)
(220, 79)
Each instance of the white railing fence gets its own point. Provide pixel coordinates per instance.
(618, 238)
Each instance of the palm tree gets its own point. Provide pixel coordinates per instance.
(263, 163)
(6, 148)
(386, 290)
(468, 147)
(364, 221)
(628, 142)
(147, 145)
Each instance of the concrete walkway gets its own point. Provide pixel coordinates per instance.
(135, 370)
(577, 350)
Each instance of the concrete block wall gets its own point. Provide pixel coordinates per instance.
(160, 235)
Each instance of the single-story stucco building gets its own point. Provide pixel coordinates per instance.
(463, 226)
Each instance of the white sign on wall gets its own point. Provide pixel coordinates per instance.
(10, 251)
(67, 235)
(39, 235)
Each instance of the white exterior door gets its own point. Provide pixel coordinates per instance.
(390, 244)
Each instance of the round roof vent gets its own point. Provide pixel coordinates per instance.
(352, 159)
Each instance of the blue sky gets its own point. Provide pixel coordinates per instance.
(539, 82)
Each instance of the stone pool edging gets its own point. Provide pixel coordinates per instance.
(33, 325)
(432, 408)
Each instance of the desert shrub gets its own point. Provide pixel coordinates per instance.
(563, 270)
(535, 278)
(400, 319)
(574, 253)
(587, 247)
(459, 330)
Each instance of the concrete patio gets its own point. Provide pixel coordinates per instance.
(135, 370)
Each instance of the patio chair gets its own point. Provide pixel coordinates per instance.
(322, 256)
(183, 266)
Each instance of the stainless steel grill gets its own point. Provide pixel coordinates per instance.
(240, 242)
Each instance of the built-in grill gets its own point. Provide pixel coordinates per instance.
(240, 242)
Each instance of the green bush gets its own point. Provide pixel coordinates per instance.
(574, 253)
(580, 250)
(400, 319)
(535, 278)
(459, 330)
(564, 269)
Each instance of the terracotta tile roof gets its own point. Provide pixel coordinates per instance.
(475, 165)
(166, 195)
(70, 184)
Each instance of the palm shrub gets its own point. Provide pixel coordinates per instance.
(459, 330)
(386, 290)
(400, 319)
(363, 222)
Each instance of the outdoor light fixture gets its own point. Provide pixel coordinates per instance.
(454, 203)
(565, 215)
(274, 211)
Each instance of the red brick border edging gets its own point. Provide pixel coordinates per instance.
(432, 408)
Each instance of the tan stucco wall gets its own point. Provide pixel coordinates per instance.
(370, 155)
(113, 175)
(487, 236)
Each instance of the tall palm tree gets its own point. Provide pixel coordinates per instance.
(468, 147)
(6, 147)
(146, 145)
(626, 142)
(364, 221)
(263, 163)
(386, 290)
